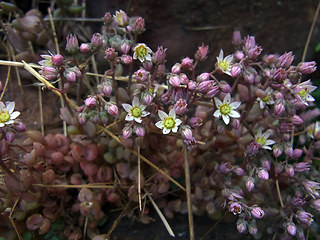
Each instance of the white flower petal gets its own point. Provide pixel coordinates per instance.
(138, 120)
(135, 102)
(217, 113)
(234, 114)
(178, 122)
(143, 107)
(134, 55)
(144, 113)
(175, 129)
(226, 119)
(165, 131)
(1, 124)
(14, 115)
(127, 107)
(9, 122)
(227, 98)
(217, 102)
(235, 105)
(129, 117)
(270, 142)
(266, 147)
(10, 107)
(162, 114)
(172, 113)
(2, 106)
(221, 55)
(159, 124)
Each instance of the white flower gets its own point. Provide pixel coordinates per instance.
(168, 122)
(225, 64)
(303, 91)
(262, 138)
(7, 115)
(136, 111)
(266, 100)
(226, 109)
(142, 52)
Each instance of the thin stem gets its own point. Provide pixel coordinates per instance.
(279, 193)
(188, 191)
(139, 177)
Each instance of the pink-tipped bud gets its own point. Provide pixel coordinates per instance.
(236, 123)
(239, 55)
(139, 25)
(290, 170)
(302, 166)
(70, 76)
(142, 75)
(236, 38)
(49, 73)
(288, 151)
(297, 153)
(253, 53)
(82, 118)
(225, 87)
(85, 48)
(183, 78)
(296, 120)
(203, 77)
(90, 102)
(140, 131)
(225, 168)
(181, 106)
(249, 42)
(186, 133)
(291, 228)
(113, 110)
(205, 86)
(306, 68)
(285, 60)
(9, 136)
(57, 60)
(305, 217)
(72, 44)
(257, 212)
(263, 174)
(111, 53)
(315, 203)
(126, 132)
(202, 52)
(241, 226)
(279, 109)
(248, 77)
(266, 164)
(121, 18)
(126, 59)
(192, 86)
(187, 63)
(147, 99)
(107, 89)
(280, 74)
(174, 81)
(239, 171)
(19, 126)
(160, 55)
(96, 40)
(125, 47)
(176, 69)
(250, 184)
(235, 70)
(107, 19)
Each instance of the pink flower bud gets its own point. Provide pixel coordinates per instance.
(142, 75)
(239, 171)
(306, 68)
(203, 77)
(280, 74)
(241, 226)
(160, 55)
(174, 81)
(9, 136)
(126, 59)
(181, 106)
(49, 73)
(253, 53)
(195, 122)
(107, 89)
(90, 102)
(205, 86)
(248, 77)
(225, 168)
(126, 132)
(302, 166)
(250, 184)
(125, 47)
(279, 109)
(297, 153)
(113, 110)
(107, 18)
(257, 212)
(291, 228)
(85, 48)
(70, 76)
(82, 118)
(276, 151)
(111, 53)
(139, 25)
(121, 18)
(225, 87)
(266, 164)
(236, 38)
(183, 78)
(19, 126)
(191, 86)
(72, 44)
(315, 203)
(187, 63)
(305, 217)
(96, 40)
(288, 151)
(285, 60)
(249, 42)
(202, 52)
(147, 99)
(289, 170)
(239, 55)
(140, 131)
(296, 120)
(263, 174)
(213, 91)
(235, 70)
(57, 60)
(147, 65)
(186, 133)
(176, 69)
(270, 59)
(236, 123)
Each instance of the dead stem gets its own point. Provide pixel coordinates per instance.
(162, 217)
(85, 228)
(279, 193)
(11, 219)
(213, 227)
(188, 191)
(16, 69)
(8, 74)
(139, 177)
(144, 159)
(41, 110)
(76, 186)
(116, 222)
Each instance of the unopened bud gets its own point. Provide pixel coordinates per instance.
(96, 40)
(85, 48)
(57, 60)
(113, 110)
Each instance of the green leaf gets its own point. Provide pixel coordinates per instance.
(75, 9)
(318, 47)
(27, 236)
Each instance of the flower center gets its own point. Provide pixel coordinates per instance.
(303, 93)
(225, 109)
(136, 112)
(261, 140)
(224, 65)
(141, 51)
(4, 117)
(266, 99)
(236, 210)
(169, 123)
